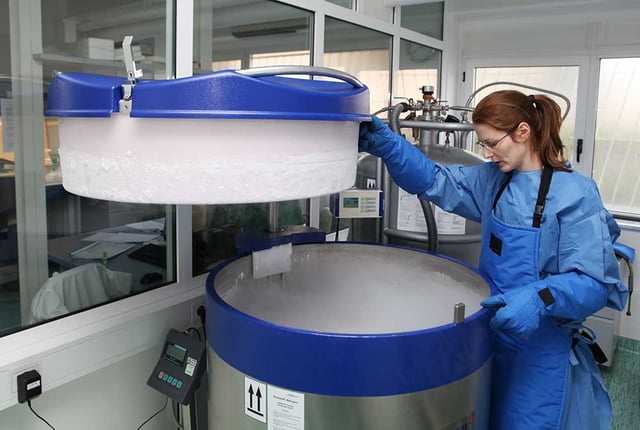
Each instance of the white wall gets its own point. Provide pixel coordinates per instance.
(115, 397)
(540, 29)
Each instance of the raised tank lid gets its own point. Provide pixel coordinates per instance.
(261, 93)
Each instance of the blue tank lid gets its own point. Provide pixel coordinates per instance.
(246, 94)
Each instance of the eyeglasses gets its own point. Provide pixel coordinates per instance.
(491, 146)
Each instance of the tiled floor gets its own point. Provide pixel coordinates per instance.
(623, 382)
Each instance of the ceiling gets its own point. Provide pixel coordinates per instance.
(487, 5)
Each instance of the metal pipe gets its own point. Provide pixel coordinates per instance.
(436, 125)
(458, 313)
(272, 216)
(563, 97)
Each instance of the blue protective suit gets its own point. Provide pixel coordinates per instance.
(545, 377)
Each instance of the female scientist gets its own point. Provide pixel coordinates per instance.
(546, 245)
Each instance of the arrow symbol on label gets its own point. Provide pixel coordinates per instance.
(258, 396)
(253, 407)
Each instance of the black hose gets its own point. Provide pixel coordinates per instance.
(394, 118)
(432, 227)
(427, 210)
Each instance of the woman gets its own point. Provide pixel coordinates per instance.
(546, 245)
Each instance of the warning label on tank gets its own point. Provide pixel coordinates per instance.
(449, 223)
(285, 409)
(254, 404)
(411, 217)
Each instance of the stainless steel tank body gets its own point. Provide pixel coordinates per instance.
(466, 246)
(354, 336)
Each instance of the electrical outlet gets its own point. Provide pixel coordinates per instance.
(29, 385)
(19, 370)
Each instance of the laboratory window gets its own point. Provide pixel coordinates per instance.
(562, 80)
(420, 67)
(344, 3)
(61, 253)
(424, 18)
(230, 35)
(617, 145)
(361, 52)
(267, 34)
(365, 54)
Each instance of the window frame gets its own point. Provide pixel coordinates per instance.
(599, 55)
(584, 72)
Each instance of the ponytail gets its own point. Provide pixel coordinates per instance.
(547, 132)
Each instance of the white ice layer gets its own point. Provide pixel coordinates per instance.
(207, 161)
(355, 289)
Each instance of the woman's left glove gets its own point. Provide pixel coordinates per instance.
(409, 167)
(518, 311)
(569, 296)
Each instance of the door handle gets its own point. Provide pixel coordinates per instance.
(578, 150)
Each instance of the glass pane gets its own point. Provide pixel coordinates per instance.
(344, 3)
(233, 35)
(250, 33)
(9, 274)
(419, 66)
(423, 18)
(365, 54)
(72, 256)
(559, 79)
(617, 146)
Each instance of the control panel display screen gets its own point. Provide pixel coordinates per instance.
(350, 202)
(175, 353)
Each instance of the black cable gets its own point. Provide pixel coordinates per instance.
(190, 329)
(36, 414)
(151, 417)
(202, 313)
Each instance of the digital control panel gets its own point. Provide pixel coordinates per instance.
(357, 203)
(180, 367)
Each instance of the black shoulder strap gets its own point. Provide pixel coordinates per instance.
(501, 190)
(545, 182)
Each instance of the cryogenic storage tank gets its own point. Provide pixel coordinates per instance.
(353, 336)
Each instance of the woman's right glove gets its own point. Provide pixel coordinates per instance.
(409, 167)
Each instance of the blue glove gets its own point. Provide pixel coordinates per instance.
(409, 167)
(519, 311)
(376, 138)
